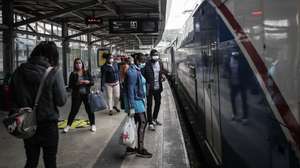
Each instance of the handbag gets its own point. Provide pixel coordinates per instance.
(96, 101)
(22, 124)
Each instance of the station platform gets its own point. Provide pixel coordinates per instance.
(81, 148)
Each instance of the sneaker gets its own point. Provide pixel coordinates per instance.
(155, 122)
(93, 128)
(66, 129)
(143, 153)
(130, 151)
(110, 112)
(151, 127)
(118, 110)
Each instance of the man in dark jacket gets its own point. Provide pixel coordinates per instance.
(25, 83)
(153, 73)
(110, 80)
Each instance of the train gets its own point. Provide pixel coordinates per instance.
(237, 64)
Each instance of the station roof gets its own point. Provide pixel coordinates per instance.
(74, 12)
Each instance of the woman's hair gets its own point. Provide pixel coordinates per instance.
(140, 58)
(46, 50)
(74, 64)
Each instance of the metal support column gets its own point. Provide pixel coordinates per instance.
(89, 39)
(65, 51)
(8, 36)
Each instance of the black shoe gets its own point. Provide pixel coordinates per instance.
(130, 151)
(144, 153)
(157, 122)
(110, 112)
(118, 110)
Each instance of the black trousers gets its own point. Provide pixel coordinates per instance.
(46, 138)
(235, 90)
(76, 103)
(141, 122)
(157, 99)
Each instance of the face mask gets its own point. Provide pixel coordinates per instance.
(142, 65)
(155, 58)
(78, 66)
(111, 60)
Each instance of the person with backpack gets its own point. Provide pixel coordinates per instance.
(80, 83)
(24, 84)
(134, 98)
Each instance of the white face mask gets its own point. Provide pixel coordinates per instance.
(155, 57)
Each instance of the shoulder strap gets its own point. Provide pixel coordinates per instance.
(38, 95)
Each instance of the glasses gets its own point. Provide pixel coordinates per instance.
(77, 62)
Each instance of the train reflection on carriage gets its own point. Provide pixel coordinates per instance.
(233, 68)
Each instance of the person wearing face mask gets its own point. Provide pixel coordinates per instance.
(134, 94)
(80, 82)
(153, 73)
(110, 80)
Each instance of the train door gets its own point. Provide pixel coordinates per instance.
(211, 104)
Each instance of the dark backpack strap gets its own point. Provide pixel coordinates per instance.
(38, 95)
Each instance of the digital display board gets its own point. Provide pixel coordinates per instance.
(123, 26)
(149, 26)
(133, 26)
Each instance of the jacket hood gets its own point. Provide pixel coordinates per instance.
(33, 71)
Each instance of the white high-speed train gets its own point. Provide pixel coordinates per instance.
(238, 62)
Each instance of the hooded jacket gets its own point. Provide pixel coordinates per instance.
(25, 83)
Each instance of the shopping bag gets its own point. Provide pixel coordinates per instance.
(97, 102)
(128, 134)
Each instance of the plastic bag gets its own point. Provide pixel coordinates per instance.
(128, 134)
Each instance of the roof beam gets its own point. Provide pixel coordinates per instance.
(85, 31)
(115, 42)
(61, 7)
(57, 13)
(103, 38)
(112, 9)
(37, 34)
(139, 40)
